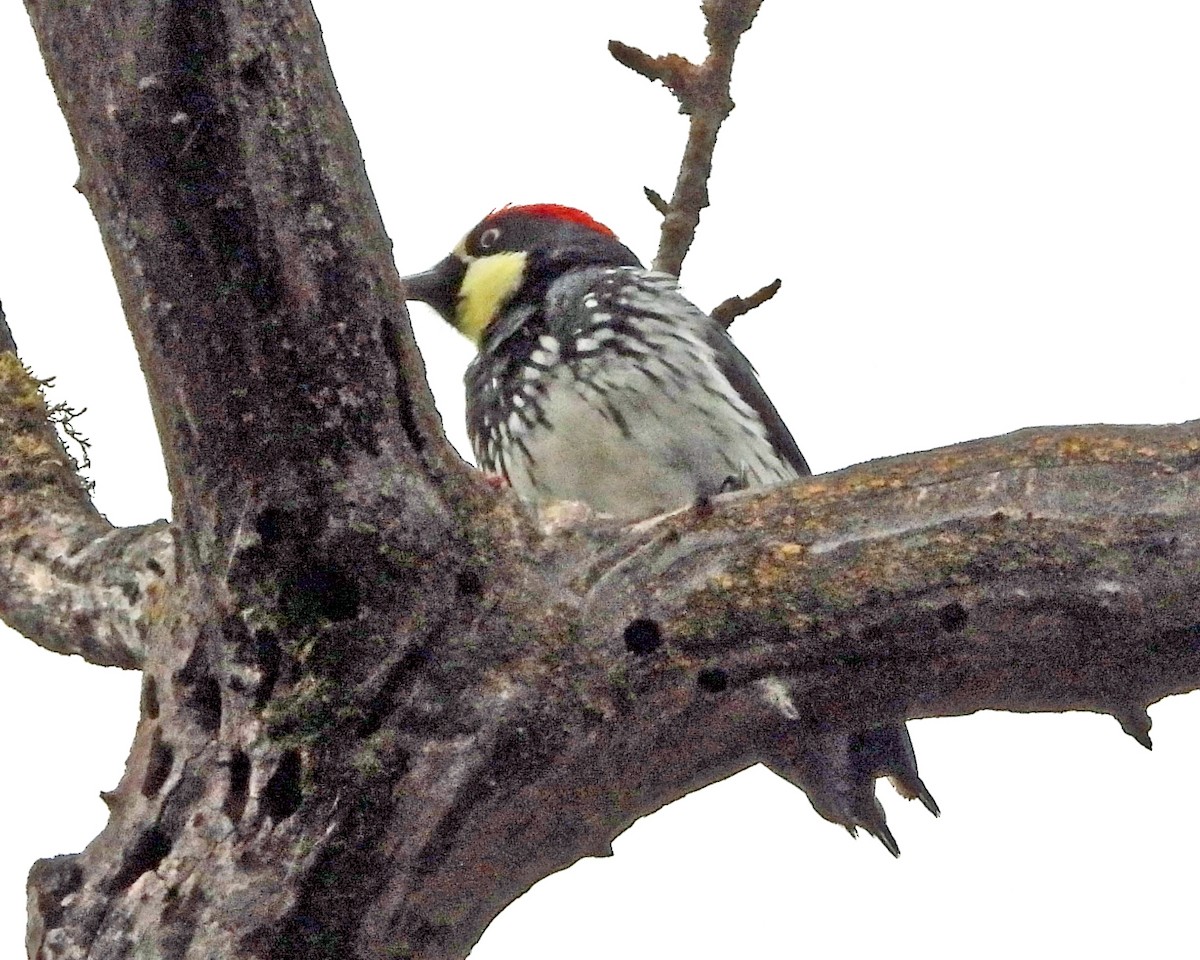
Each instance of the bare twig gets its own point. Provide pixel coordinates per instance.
(657, 201)
(703, 94)
(729, 310)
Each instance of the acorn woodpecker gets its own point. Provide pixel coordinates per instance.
(596, 380)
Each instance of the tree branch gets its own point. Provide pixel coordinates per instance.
(1046, 570)
(729, 310)
(68, 580)
(798, 626)
(703, 94)
(248, 250)
(377, 705)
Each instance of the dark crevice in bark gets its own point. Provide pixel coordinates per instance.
(283, 793)
(158, 768)
(197, 689)
(405, 394)
(203, 698)
(712, 680)
(149, 697)
(144, 854)
(239, 785)
(268, 659)
(346, 873)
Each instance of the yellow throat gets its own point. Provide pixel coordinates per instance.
(488, 284)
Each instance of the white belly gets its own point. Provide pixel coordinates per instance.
(666, 445)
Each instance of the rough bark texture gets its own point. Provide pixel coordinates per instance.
(378, 702)
(68, 580)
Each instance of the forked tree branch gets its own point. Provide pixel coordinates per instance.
(703, 94)
(68, 580)
(799, 626)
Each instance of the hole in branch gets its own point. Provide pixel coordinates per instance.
(266, 652)
(203, 698)
(322, 592)
(469, 584)
(282, 796)
(254, 73)
(158, 766)
(274, 525)
(953, 617)
(149, 698)
(52, 881)
(643, 636)
(239, 784)
(712, 680)
(145, 855)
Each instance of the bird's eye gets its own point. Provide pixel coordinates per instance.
(489, 238)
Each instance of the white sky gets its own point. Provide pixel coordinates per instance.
(986, 216)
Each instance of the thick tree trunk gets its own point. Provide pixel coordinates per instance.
(379, 702)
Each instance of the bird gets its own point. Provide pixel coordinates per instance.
(596, 380)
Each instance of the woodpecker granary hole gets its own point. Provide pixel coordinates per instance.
(60, 880)
(145, 855)
(266, 652)
(274, 525)
(150, 698)
(282, 795)
(158, 766)
(712, 680)
(204, 699)
(198, 691)
(239, 783)
(469, 583)
(643, 636)
(321, 592)
(952, 617)
(254, 73)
